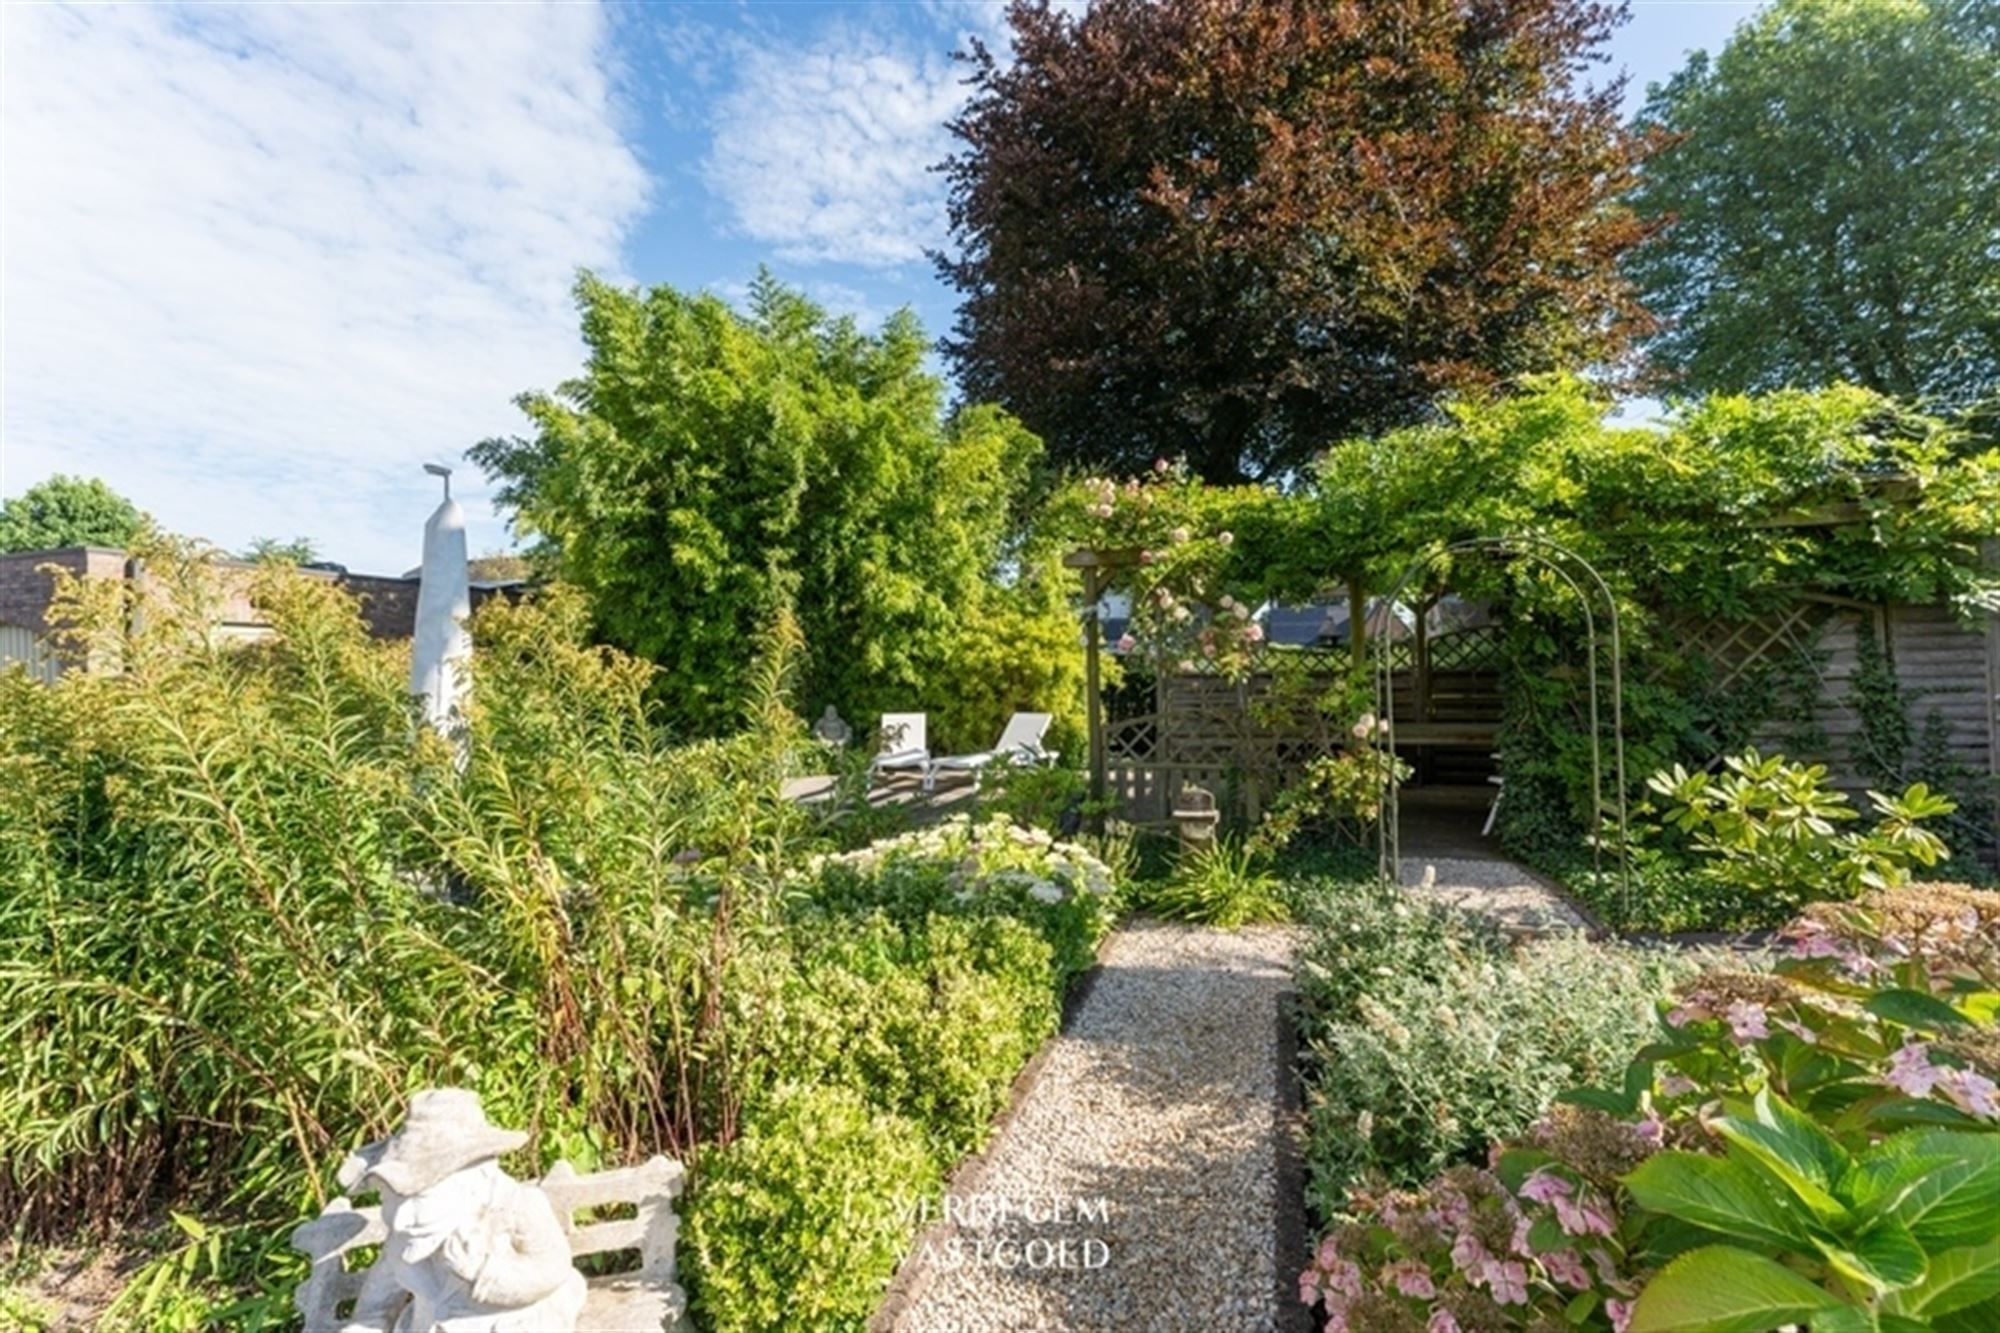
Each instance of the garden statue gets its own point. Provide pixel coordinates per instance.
(469, 1249)
(833, 729)
(441, 645)
(1195, 818)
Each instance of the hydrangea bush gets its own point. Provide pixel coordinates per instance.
(1813, 1146)
(980, 866)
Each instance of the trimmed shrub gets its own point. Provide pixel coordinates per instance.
(1426, 1037)
(798, 1222)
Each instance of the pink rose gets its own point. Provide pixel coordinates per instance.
(1126, 643)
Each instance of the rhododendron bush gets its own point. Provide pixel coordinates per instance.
(1811, 1146)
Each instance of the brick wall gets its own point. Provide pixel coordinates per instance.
(25, 591)
(388, 605)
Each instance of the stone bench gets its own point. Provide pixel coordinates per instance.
(645, 1299)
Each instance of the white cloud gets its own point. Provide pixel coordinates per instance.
(824, 150)
(260, 263)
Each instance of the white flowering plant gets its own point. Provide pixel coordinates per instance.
(968, 865)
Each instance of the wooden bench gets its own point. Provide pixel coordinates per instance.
(645, 1299)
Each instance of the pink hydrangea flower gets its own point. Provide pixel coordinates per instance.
(1587, 1220)
(1651, 1130)
(1544, 1187)
(1746, 1021)
(1342, 1277)
(1911, 1072)
(1508, 1282)
(1468, 1255)
(1620, 1313)
(1972, 1093)
(1799, 1030)
(1566, 1268)
(1683, 1014)
(1411, 1278)
(1442, 1321)
(1309, 1287)
(1676, 1085)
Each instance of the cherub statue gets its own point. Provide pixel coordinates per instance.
(470, 1249)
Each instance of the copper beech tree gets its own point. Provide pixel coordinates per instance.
(1237, 230)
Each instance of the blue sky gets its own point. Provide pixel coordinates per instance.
(258, 264)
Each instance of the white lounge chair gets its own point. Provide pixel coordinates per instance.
(1020, 743)
(903, 745)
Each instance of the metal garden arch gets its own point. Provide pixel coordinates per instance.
(1565, 564)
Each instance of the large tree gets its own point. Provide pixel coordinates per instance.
(709, 469)
(67, 511)
(1834, 202)
(1236, 230)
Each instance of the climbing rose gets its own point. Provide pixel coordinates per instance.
(1254, 633)
(1126, 643)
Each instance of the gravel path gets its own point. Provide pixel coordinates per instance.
(1517, 898)
(1136, 1186)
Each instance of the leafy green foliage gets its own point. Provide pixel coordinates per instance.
(1694, 520)
(1763, 837)
(798, 1221)
(1223, 884)
(1426, 1037)
(297, 551)
(1830, 197)
(1816, 1146)
(67, 511)
(1338, 799)
(708, 469)
(245, 908)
